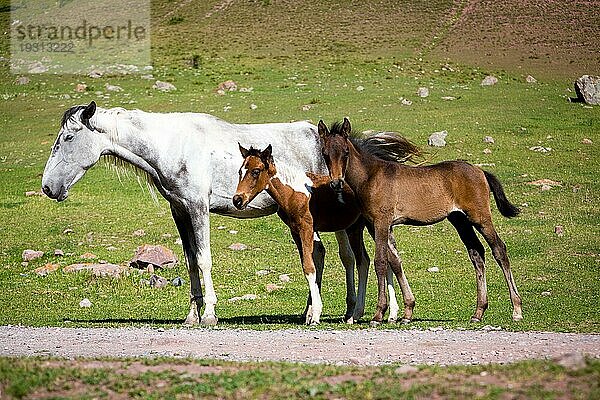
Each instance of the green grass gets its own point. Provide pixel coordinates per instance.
(176, 378)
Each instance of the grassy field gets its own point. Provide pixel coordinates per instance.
(289, 63)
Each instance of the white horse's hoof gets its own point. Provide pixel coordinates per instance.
(473, 319)
(374, 324)
(209, 320)
(392, 320)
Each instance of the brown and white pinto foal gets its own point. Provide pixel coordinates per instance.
(308, 205)
(391, 194)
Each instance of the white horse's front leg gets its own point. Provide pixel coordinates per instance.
(348, 260)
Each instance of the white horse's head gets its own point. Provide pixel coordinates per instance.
(77, 148)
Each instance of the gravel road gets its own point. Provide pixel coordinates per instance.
(356, 347)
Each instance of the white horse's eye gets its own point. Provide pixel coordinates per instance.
(69, 137)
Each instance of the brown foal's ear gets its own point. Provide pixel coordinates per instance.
(266, 154)
(323, 131)
(244, 151)
(346, 128)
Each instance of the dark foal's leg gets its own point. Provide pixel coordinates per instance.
(395, 263)
(477, 255)
(355, 236)
(348, 258)
(499, 251)
(382, 237)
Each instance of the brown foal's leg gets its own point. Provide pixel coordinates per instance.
(477, 255)
(303, 238)
(499, 251)
(382, 233)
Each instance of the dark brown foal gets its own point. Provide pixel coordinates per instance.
(391, 194)
(308, 205)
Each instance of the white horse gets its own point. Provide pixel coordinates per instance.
(193, 160)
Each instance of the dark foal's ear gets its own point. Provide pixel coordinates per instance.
(346, 128)
(323, 131)
(87, 114)
(244, 151)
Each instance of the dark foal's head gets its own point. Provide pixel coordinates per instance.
(335, 149)
(255, 174)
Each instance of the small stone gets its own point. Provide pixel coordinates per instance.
(113, 88)
(148, 77)
(95, 74)
(253, 106)
(488, 139)
(422, 92)
(271, 287)
(489, 81)
(238, 247)
(37, 68)
(59, 253)
(220, 92)
(542, 182)
(102, 270)
(541, 149)
(244, 297)
(158, 282)
(306, 107)
(546, 293)
(111, 248)
(586, 141)
(139, 232)
(177, 282)
(406, 370)
(263, 272)
(448, 98)
(150, 268)
(545, 188)
(360, 88)
(559, 230)
(46, 269)
(33, 193)
(22, 80)
(487, 151)
(227, 86)
(163, 86)
(284, 278)
(233, 232)
(530, 79)
(246, 90)
(80, 87)
(85, 303)
(25, 264)
(433, 269)
(221, 227)
(68, 231)
(88, 256)
(406, 102)
(30, 255)
(572, 361)
(438, 139)
(157, 255)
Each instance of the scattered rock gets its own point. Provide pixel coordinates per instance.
(238, 247)
(306, 107)
(177, 282)
(81, 87)
(221, 227)
(158, 282)
(244, 297)
(33, 193)
(489, 81)
(178, 241)
(433, 269)
(488, 139)
(587, 88)
(530, 79)
(95, 74)
(22, 80)
(30, 255)
(59, 253)
(111, 248)
(46, 269)
(586, 141)
(97, 269)
(546, 293)
(360, 88)
(88, 256)
(227, 86)
(68, 231)
(139, 232)
(233, 232)
(284, 278)
(422, 92)
(246, 90)
(541, 149)
(448, 98)
(156, 255)
(545, 188)
(263, 272)
(438, 139)
(271, 287)
(253, 106)
(487, 151)
(85, 303)
(113, 88)
(559, 230)
(406, 102)
(406, 370)
(37, 68)
(572, 361)
(163, 86)
(542, 182)
(148, 77)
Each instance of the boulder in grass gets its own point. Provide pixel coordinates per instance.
(30, 255)
(103, 270)
(489, 81)
(164, 86)
(438, 139)
(156, 255)
(587, 88)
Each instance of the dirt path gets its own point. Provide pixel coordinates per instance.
(363, 347)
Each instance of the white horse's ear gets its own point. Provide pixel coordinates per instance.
(244, 151)
(323, 131)
(346, 128)
(87, 114)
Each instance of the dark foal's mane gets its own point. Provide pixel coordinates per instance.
(388, 146)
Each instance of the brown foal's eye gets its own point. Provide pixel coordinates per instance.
(255, 173)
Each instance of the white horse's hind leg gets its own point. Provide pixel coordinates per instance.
(202, 233)
(348, 260)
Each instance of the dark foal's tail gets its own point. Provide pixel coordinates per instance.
(505, 207)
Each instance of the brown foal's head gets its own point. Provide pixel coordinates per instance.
(255, 174)
(335, 149)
